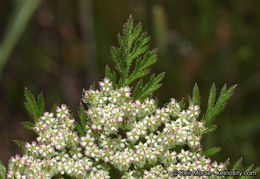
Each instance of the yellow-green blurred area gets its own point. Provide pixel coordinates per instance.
(60, 47)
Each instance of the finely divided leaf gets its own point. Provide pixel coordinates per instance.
(182, 103)
(82, 116)
(30, 104)
(28, 125)
(40, 102)
(212, 151)
(214, 108)
(212, 98)
(152, 85)
(111, 75)
(141, 66)
(138, 89)
(79, 129)
(210, 128)
(133, 47)
(195, 99)
(83, 120)
(33, 107)
(237, 165)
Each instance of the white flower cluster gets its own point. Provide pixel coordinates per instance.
(56, 151)
(137, 138)
(134, 135)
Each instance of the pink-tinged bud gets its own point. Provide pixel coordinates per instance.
(106, 80)
(17, 156)
(101, 84)
(63, 106)
(58, 109)
(222, 166)
(12, 159)
(27, 145)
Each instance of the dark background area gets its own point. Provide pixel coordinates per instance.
(65, 46)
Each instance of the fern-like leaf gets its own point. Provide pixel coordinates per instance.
(31, 104)
(33, 107)
(152, 85)
(214, 108)
(79, 129)
(237, 165)
(111, 75)
(40, 104)
(83, 120)
(82, 116)
(133, 53)
(28, 125)
(195, 99)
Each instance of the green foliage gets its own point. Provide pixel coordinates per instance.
(195, 100)
(79, 129)
(133, 46)
(33, 107)
(237, 165)
(215, 107)
(21, 146)
(152, 85)
(211, 151)
(2, 170)
(83, 121)
(82, 116)
(111, 75)
(182, 103)
(28, 125)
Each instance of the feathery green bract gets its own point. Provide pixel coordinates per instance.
(28, 125)
(82, 116)
(40, 102)
(21, 146)
(111, 75)
(2, 170)
(79, 129)
(182, 103)
(237, 165)
(211, 151)
(83, 121)
(215, 107)
(195, 99)
(33, 107)
(133, 47)
(152, 85)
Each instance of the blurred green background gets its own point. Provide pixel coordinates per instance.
(59, 47)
